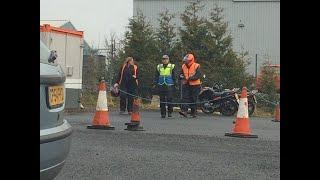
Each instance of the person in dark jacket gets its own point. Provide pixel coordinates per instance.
(127, 81)
(165, 81)
(190, 76)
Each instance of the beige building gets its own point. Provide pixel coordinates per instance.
(69, 47)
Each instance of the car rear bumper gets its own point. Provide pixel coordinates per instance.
(54, 148)
(55, 133)
(51, 172)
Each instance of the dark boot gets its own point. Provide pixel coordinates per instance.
(193, 113)
(163, 113)
(184, 114)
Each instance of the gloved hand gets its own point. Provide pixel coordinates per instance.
(192, 78)
(181, 76)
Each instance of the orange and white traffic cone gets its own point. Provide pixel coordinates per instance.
(101, 117)
(134, 125)
(277, 114)
(242, 124)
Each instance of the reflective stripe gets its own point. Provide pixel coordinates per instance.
(122, 73)
(102, 104)
(243, 108)
(135, 67)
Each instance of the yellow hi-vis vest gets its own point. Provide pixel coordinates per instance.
(165, 76)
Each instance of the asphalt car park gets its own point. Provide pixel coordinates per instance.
(175, 148)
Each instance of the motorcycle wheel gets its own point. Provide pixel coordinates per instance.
(229, 108)
(206, 107)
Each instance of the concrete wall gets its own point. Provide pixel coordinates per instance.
(72, 98)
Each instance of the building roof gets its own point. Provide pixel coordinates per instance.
(49, 28)
(66, 24)
(55, 23)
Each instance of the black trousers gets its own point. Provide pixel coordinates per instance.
(166, 94)
(126, 100)
(190, 95)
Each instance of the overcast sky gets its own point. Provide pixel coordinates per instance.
(97, 18)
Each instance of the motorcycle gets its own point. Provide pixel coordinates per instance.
(216, 99)
(228, 110)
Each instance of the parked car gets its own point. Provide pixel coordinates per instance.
(55, 131)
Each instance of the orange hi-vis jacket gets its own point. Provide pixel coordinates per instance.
(188, 72)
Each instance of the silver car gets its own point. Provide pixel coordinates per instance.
(55, 131)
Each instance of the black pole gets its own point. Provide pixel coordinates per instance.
(256, 65)
(111, 60)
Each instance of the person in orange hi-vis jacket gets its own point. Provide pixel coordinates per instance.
(190, 76)
(127, 81)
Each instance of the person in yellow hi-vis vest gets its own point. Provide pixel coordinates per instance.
(165, 81)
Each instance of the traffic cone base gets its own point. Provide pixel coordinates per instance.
(103, 127)
(100, 121)
(241, 135)
(134, 126)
